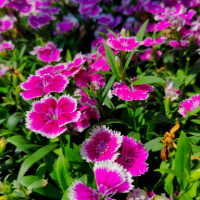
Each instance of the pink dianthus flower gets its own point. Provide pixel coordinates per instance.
(111, 178)
(189, 105)
(133, 156)
(102, 145)
(5, 23)
(36, 86)
(49, 115)
(123, 43)
(47, 53)
(6, 45)
(137, 92)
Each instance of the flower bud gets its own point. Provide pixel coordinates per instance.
(119, 68)
(2, 145)
(195, 176)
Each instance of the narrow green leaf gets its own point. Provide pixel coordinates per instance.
(102, 72)
(196, 121)
(110, 58)
(63, 174)
(108, 86)
(182, 158)
(36, 156)
(37, 184)
(103, 35)
(177, 173)
(69, 56)
(169, 181)
(147, 80)
(26, 146)
(139, 37)
(141, 32)
(22, 51)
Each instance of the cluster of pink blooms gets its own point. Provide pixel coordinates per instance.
(117, 158)
(82, 69)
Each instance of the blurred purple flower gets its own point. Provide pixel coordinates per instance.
(40, 20)
(6, 45)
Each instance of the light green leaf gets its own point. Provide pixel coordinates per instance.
(154, 145)
(63, 174)
(48, 191)
(36, 156)
(147, 80)
(108, 86)
(177, 173)
(13, 120)
(182, 158)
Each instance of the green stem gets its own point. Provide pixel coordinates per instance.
(62, 143)
(67, 137)
(167, 106)
(187, 65)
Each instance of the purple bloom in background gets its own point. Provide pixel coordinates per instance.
(101, 145)
(148, 55)
(105, 19)
(137, 92)
(36, 86)
(133, 156)
(40, 20)
(111, 178)
(3, 70)
(67, 24)
(47, 53)
(3, 2)
(5, 23)
(24, 6)
(170, 92)
(49, 115)
(6, 45)
(152, 42)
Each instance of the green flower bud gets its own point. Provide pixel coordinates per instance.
(2, 145)
(195, 176)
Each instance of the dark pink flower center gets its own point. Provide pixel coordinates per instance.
(44, 83)
(101, 147)
(127, 160)
(53, 114)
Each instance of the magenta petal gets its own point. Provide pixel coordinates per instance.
(31, 82)
(29, 94)
(110, 176)
(122, 91)
(66, 118)
(35, 121)
(58, 84)
(78, 191)
(67, 104)
(52, 130)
